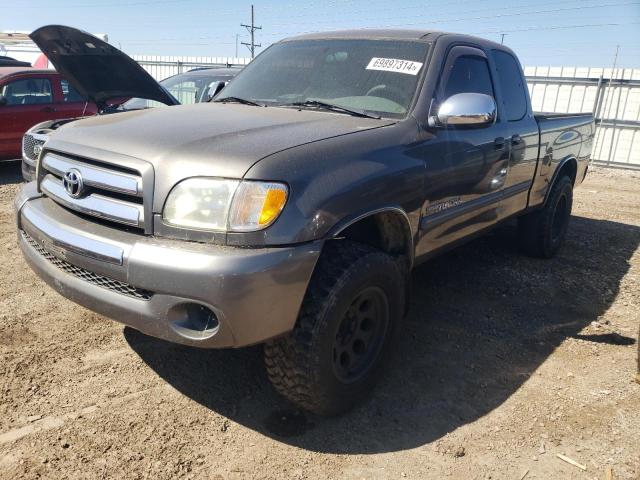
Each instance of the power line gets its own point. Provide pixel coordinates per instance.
(555, 27)
(498, 15)
(331, 21)
(494, 31)
(181, 2)
(251, 29)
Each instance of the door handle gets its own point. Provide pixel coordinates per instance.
(500, 178)
(498, 143)
(516, 139)
(49, 109)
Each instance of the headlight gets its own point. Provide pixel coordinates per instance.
(224, 205)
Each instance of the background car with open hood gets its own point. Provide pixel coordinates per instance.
(29, 95)
(100, 73)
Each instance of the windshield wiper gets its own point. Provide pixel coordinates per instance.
(331, 107)
(243, 101)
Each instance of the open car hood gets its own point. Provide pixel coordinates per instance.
(96, 69)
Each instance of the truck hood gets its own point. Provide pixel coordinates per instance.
(96, 69)
(202, 139)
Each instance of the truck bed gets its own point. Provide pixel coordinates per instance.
(565, 131)
(571, 118)
(564, 135)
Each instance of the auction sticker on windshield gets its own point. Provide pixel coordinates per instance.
(394, 65)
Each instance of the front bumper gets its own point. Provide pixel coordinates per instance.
(254, 293)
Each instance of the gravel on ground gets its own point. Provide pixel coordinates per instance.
(503, 363)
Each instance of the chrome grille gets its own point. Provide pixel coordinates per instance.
(29, 142)
(83, 274)
(108, 191)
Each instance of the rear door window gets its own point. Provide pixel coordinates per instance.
(514, 98)
(70, 94)
(185, 92)
(28, 91)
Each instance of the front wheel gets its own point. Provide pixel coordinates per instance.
(333, 356)
(542, 233)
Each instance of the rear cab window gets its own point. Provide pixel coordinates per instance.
(514, 97)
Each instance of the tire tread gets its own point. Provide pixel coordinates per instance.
(534, 227)
(289, 360)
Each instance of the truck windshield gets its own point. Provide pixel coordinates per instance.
(372, 76)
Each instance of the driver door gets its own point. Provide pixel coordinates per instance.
(466, 166)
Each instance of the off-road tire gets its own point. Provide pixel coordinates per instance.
(301, 365)
(541, 233)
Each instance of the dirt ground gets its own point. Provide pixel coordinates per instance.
(503, 362)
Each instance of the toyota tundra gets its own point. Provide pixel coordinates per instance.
(290, 211)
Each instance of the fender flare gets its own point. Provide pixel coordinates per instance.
(554, 177)
(343, 224)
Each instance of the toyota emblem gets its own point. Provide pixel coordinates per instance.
(37, 150)
(72, 182)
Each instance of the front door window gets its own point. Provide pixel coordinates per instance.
(28, 91)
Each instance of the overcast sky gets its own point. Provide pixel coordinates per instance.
(543, 32)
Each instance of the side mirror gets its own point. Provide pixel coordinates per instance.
(465, 109)
(3, 100)
(214, 89)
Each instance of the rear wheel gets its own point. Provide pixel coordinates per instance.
(542, 233)
(333, 356)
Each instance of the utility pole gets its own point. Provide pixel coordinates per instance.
(502, 39)
(251, 29)
(237, 35)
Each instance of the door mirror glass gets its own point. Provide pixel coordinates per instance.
(466, 109)
(3, 100)
(214, 89)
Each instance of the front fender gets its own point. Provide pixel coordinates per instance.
(335, 181)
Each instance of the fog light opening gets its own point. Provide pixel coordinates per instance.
(194, 321)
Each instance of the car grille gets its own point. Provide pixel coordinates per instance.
(83, 274)
(109, 192)
(29, 143)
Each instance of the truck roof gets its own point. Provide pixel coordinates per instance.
(395, 34)
(6, 71)
(369, 34)
(222, 71)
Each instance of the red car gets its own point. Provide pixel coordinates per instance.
(29, 96)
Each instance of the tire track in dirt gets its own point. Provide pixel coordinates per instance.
(51, 422)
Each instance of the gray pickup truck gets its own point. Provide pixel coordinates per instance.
(291, 209)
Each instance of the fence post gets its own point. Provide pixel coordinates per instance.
(597, 102)
(612, 150)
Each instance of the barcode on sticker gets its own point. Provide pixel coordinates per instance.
(394, 65)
